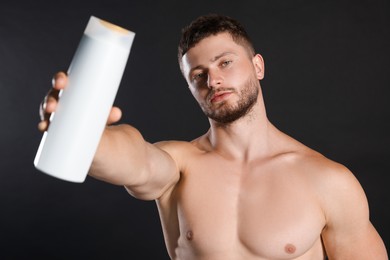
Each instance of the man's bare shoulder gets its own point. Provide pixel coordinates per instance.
(181, 151)
(342, 200)
(175, 146)
(313, 162)
(322, 172)
(307, 158)
(331, 180)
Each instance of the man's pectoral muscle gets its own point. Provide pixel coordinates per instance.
(228, 209)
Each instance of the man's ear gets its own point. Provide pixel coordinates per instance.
(258, 62)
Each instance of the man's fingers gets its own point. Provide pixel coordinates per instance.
(115, 115)
(49, 103)
(42, 126)
(59, 80)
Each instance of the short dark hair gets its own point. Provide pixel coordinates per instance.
(212, 24)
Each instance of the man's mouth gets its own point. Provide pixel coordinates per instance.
(219, 96)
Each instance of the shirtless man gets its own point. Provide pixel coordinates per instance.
(243, 190)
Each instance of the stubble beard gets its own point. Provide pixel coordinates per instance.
(226, 114)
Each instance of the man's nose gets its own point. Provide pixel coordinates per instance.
(214, 79)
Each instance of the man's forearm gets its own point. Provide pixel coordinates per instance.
(121, 156)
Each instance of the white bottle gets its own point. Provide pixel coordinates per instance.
(68, 146)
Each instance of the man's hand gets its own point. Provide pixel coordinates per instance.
(49, 103)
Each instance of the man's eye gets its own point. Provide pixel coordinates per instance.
(197, 76)
(225, 63)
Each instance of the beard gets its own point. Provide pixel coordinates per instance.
(225, 113)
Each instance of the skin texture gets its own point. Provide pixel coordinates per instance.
(243, 190)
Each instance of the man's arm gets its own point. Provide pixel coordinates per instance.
(123, 156)
(349, 233)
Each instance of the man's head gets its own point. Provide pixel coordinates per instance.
(221, 68)
(212, 24)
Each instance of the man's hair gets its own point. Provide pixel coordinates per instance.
(213, 24)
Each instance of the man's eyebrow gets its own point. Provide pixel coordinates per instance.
(196, 67)
(221, 55)
(212, 60)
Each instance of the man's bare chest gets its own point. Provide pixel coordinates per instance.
(259, 210)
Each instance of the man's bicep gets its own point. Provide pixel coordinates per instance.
(349, 233)
(161, 173)
(363, 244)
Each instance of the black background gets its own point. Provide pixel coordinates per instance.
(326, 84)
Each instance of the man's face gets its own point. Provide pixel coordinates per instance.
(222, 77)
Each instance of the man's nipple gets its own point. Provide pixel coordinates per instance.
(290, 249)
(189, 235)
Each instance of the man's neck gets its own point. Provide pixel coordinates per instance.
(245, 139)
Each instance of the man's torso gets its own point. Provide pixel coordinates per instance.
(222, 208)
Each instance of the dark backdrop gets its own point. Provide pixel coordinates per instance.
(327, 85)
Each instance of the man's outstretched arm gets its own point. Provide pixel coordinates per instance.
(123, 156)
